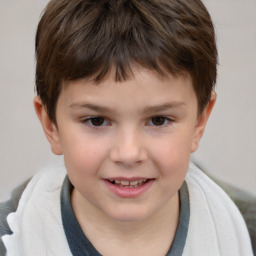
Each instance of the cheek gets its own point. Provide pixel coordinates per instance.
(172, 156)
(83, 155)
(174, 149)
(83, 162)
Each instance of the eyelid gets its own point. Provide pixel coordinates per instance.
(87, 119)
(106, 122)
(167, 118)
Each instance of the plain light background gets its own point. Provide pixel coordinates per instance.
(228, 148)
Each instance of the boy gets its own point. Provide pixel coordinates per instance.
(125, 89)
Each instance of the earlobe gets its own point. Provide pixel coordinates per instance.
(50, 129)
(202, 121)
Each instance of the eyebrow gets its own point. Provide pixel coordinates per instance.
(166, 106)
(148, 109)
(93, 107)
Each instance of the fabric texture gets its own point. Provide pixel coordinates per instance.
(5, 209)
(216, 226)
(36, 225)
(246, 204)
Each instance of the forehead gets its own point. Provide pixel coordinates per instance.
(141, 91)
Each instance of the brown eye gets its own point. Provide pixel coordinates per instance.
(158, 120)
(97, 121)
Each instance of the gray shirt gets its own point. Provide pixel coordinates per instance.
(79, 244)
(245, 202)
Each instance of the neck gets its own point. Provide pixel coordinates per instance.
(151, 236)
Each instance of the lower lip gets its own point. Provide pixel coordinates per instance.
(128, 192)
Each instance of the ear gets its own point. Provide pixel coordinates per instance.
(50, 129)
(201, 122)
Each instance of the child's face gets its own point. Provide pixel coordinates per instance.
(138, 132)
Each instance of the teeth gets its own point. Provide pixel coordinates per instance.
(124, 182)
(134, 183)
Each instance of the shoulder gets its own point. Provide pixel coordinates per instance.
(245, 202)
(6, 208)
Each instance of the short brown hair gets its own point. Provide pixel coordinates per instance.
(86, 38)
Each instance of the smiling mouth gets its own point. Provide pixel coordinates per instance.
(128, 184)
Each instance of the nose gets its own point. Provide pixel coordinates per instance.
(128, 148)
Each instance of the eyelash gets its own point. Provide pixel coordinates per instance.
(89, 121)
(167, 121)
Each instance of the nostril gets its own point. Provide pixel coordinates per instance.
(128, 156)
